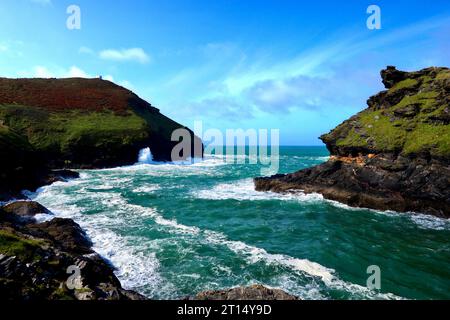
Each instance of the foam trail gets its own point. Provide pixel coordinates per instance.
(254, 254)
(137, 266)
(245, 190)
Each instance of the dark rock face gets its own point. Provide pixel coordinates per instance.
(391, 76)
(394, 155)
(25, 208)
(34, 261)
(255, 292)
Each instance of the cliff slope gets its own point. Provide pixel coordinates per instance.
(394, 155)
(74, 123)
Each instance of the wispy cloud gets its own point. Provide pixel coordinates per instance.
(334, 74)
(71, 72)
(133, 54)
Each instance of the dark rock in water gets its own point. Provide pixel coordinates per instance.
(25, 208)
(38, 260)
(22, 211)
(60, 175)
(394, 155)
(254, 292)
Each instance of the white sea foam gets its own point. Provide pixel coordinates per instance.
(254, 255)
(430, 222)
(146, 188)
(137, 266)
(245, 190)
(43, 217)
(423, 221)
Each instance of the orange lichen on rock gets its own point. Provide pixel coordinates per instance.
(359, 160)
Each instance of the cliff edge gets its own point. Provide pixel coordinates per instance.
(394, 155)
(74, 123)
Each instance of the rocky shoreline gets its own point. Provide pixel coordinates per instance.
(37, 259)
(394, 155)
(54, 260)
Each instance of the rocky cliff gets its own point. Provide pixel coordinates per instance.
(394, 155)
(74, 123)
(35, 257)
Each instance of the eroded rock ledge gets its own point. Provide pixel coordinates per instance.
(394, 155)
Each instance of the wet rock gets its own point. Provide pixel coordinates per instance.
(35, 257)
(25, 208)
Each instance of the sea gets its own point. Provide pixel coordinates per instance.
(172, 230)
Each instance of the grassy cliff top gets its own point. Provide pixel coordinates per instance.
(410, 118)
(70, 93)
(79, 123)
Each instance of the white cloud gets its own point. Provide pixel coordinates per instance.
(108, 77)
(75, 72)
(133, 54)
(42, 72)
(72, 72)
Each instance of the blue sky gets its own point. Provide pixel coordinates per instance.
(299, 66)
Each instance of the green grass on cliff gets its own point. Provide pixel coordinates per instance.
(405, 84)
(383, 131)
(24, 249)
(57, 130)
(415, 125)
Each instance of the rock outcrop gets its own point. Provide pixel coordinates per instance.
(394, 155)
(38, 260)
(254, 292)
(75, 123)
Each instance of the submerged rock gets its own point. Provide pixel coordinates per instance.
(254, 292)
(394, 155)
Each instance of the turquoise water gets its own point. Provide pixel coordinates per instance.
(174, 230)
